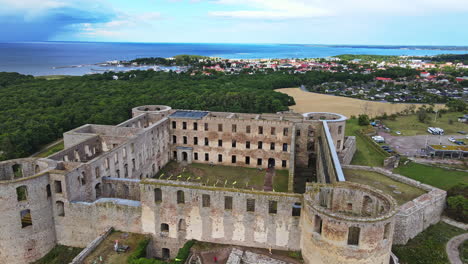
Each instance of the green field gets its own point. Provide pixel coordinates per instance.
(223, 176)
(437, 177)
(49, 151)
(52, 77)
(365, 153)
(385, 184)
(59, 255)
(410, 125)
(429, 246)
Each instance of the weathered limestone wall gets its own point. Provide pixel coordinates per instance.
(82, 151)
(83, 221)
(234, 129)
(128, 189)
(414, 216)
(347, 154)
(26, 244)
(142, 155)
(26, 167)
(214, 223)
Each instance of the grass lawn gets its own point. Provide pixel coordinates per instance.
(385, 184)
(49, 151)
(464, 252)
(365, 153)
(429, 246)
(59, 255)
(220, 176)
(280, 181)
(410, 125)
(106, 249)
(437, 177)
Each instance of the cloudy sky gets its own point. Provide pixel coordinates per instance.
(380, 22)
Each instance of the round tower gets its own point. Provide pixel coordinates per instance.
(161, 110)
(336, 124)
(27, 230)
(347, 223)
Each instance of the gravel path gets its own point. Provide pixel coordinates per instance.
(452, 248)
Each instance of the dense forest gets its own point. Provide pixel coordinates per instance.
(35, 112)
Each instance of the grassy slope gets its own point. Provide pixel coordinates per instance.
(438, 177)
(383, 183)
(49, 151)
(59, 255)
(429, 246)
(410, 125)
(365, 154)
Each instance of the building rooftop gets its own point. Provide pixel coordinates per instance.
(452, 148)
(189, 114)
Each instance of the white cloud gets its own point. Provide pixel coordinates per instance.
(119, 26)
(281, 9)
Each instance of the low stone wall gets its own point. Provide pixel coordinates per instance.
(414, 216)
(347, 154)
(91, 247)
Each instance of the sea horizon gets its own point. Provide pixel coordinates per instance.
(80, 57)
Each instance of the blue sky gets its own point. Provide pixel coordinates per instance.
(379, 22)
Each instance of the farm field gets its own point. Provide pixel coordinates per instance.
(315, 102)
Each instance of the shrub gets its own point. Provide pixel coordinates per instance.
(457, 203)
(457, 208)
(139, 255)
(363, 120)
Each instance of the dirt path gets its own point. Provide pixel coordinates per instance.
(268, 181)
(452, 248)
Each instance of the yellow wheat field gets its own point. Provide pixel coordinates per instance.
(314, 102)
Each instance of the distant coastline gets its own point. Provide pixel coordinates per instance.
(77, 58)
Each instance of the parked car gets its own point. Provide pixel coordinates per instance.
(462, 132)
(451, 139)
(378, 139)
(389, 150)
(385, 147)
(459, 142)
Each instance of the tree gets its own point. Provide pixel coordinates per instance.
(363, 120)
(457, 106)
(422, 114)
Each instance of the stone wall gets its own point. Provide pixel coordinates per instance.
(212, 221)
(414, 216)
(82, 220)
(128, 189)
(347, 154)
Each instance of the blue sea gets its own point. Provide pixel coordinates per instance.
(78, 58)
